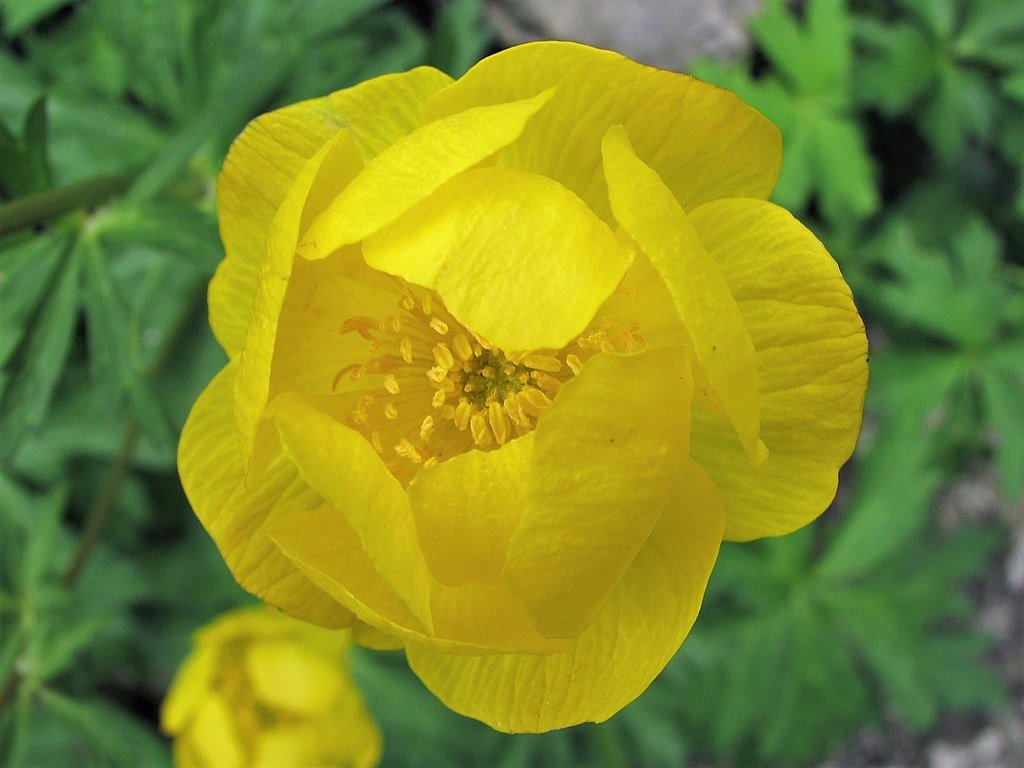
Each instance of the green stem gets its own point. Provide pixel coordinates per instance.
(104, 504)
(9, 687)
(100, 511)
(41, 207)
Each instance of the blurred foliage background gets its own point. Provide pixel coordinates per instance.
(904, 129)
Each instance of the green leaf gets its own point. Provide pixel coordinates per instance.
(26, 271)
(460, 37)
(19, 15)
(23, 164)
(808, 95)
(1002, 393)
(890, 505)
(28, 397)
(897, 68)
(113, 737)
(114, 357)
(955, 297)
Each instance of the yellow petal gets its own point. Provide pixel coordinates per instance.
(369, 636)
(309, 351)
(812, 359)
(265, 159)
(516, 257)
(291, 745)
(325, 547)
(337, 160)
(466, 509)
(286, 675)
(702, 140)
(606, 462)
(469, 619)
(191, 684)
(384, 109)
(212, 737)
(615, 658)
(210, 465)
(413, 167)
(648, 212)
(342, 466)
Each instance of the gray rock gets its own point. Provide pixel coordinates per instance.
(662, 33)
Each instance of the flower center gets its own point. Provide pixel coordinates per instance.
(434, 388)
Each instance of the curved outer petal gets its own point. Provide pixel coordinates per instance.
(414, 167)
(265, 159)
(336, 161)
(647, 211)
(615, 658)
(702, 140)
(516, 257)
(470, 619)
(467, 508)
(812, 359)
(605, 467)
(342, 466)
(210, 466)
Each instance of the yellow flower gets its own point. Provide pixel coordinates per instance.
(509, 357)
(261, 690)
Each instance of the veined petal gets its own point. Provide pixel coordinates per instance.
(812, 359)
(265, 159)
(324, 546)
(471, 619)
(516, 257)
(466, 509)
(605, 467)
(337, 160)
(210, 466)
(412, 168)
(619, 654)
(342, 466)
(650, 214)
(702, 140)
(369, 636)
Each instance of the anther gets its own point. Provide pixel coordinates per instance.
(498, 421)
(478, 427)
(443, 356)
(463, 411)
(391, 384)
(427, 428)
(543, 363)
(462, 347)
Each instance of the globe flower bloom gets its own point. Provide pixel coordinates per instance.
(509, 356)
(261, 689)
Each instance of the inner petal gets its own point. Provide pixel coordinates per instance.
(427, 388)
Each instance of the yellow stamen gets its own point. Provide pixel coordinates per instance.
(478, 426)
(443, 356)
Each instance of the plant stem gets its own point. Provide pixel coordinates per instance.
(100, 511)
(9, 688)
(41, 207)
